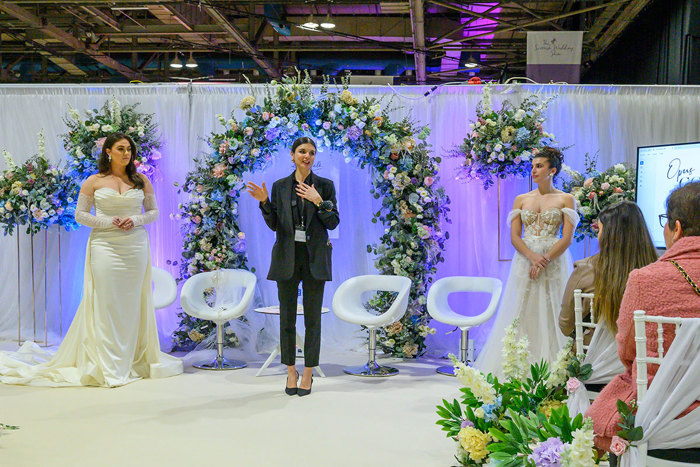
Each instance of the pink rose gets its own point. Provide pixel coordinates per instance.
(535, 151)
(572, 385)
(588, 182)
(200, 188)
(248, 131)
(601, 192)
(218, 170)
(617, 189)
(394, 156)
(605, 186)
(137, 163)
(266, 116)
(591, 195)
(428, 181)
(618, 446)
(340, 127)
(196, 219)
(100, 142)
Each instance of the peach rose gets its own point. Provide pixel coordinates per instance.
(618, 446)
(588, 182)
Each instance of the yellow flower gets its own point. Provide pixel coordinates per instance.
(507, 134)
(394, 328)
(247, 102)
(195, 335)
(346, 96)
(479, 412)
(474, 442)
(547, 406)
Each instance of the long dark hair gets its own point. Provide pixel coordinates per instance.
(625, 244)
(303, 140)
(105, 168)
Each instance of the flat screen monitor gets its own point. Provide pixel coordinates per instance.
(660, 169)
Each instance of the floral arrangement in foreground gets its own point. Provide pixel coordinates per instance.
(36, 194)
(523, 420)
(413, 204)
(595, 190)
(502, 143)
(85, 137)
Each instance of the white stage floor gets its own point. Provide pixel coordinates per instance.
(234, 418)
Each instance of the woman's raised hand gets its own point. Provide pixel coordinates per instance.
(259, 193)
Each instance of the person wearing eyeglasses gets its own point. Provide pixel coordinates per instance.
(668, 287)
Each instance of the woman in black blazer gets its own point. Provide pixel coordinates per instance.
(301, 210)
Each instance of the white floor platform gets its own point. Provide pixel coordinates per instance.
(234, 418)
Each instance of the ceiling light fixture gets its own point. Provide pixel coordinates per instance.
(471, 62)
(328, 22)
(191, 62)
(176, 63)
(310, 23)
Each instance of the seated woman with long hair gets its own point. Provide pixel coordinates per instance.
(625, 244)
(667, 287)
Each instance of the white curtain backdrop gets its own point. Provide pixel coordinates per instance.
(612, 120)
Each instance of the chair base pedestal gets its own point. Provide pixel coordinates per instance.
(371, 369)
(221, 364)
(446, 370)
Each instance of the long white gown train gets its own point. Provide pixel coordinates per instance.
(537, 302)
(113, 339)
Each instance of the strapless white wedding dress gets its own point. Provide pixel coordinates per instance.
(113, 339)
(536, 302)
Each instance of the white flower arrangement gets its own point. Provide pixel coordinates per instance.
(516, 354)
(474, 380)
(558, 373)
(580, 452)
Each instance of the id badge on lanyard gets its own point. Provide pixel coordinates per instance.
(300, 229)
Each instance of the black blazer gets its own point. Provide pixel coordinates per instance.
(278, 216)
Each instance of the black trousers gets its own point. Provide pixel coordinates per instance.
(312, 290)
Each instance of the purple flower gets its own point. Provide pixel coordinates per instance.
(354, 132)
(548, 453)
(271, 134)
(466, 423)
(239, 247)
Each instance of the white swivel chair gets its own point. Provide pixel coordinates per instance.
(164, 288)
(229, 304)
(440, 310)
(348, 306)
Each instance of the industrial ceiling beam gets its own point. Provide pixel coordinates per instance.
(623, 20)
(418, 27)
(68, 39)
(247, 47)
(531, 23)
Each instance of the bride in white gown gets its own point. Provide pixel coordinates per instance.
(113, 338)
(540, 267)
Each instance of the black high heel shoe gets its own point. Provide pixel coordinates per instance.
(305, 392)
(291, 391)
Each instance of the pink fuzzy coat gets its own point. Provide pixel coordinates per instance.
(661, 290)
